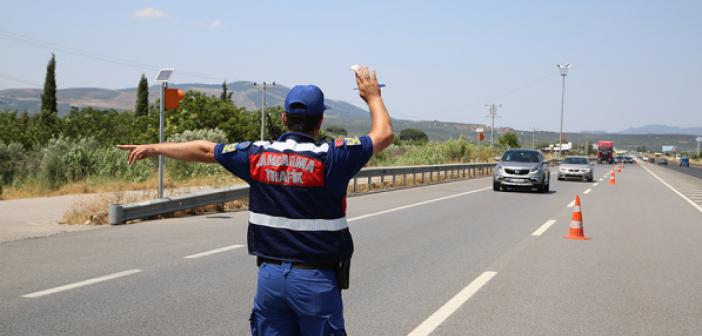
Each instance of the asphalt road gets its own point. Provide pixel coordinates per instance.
(449, 259)
(695, 171)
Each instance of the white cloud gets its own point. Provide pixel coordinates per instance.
(149, 13)
(216, 24)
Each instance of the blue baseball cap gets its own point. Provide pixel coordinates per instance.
(309, 96)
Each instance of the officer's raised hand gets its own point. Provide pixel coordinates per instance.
(367, 83)
(381, 125)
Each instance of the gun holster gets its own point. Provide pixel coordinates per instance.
(343, 273)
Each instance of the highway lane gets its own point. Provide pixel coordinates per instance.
(408, 263)
(695, 171)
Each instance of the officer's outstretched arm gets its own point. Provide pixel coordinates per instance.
(381, 124)
(199, 151)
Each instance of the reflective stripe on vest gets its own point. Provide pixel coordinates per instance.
(298, 224)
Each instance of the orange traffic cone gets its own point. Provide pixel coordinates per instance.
(612, 181)
(620, 168)
(576, 223)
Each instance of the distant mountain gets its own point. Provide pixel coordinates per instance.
(663, 129)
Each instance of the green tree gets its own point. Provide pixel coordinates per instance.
(48, 98)
(414, 135)
(510, 140)
(142, 100)
(226, 94)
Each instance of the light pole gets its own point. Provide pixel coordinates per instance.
(163, 76)
(699, 140)
(564, 72)
(264, 86)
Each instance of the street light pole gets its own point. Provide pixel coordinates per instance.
(264, 86)
(564, 72)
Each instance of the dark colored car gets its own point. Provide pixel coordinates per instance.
(685, 162)
(628, 159)
(619, 159)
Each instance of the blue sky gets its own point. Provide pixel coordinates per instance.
(634, 62)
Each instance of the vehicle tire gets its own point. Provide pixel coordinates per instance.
(590, 179)
(496, 186)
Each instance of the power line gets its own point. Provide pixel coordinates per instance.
(20, 80)
(36, 42)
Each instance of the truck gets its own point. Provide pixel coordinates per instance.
(605, 152)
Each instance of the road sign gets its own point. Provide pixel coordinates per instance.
(699, 139)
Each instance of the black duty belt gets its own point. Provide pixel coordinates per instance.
(301, 265)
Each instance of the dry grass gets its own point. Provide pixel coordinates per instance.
(94, 186)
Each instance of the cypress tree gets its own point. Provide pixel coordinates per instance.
(226, 94)
(142, 99)
(48, 98)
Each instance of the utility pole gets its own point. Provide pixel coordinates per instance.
(564, 72)
(492, 114)
(264, 86)
(533, 136)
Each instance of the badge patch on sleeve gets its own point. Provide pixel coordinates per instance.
(229, 148)
(355, 141)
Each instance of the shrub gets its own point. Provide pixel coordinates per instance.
(180, 170)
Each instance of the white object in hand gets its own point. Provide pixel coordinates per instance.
(355, 67)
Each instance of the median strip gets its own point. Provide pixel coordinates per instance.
(81, 284)
(544, 227)
(215, 251)
(433, 321)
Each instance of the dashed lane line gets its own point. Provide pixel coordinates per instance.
(415, 204)
(81, 284)
(219, 250)
(571, 204)
(544, 227)
(433, 321)
(587, 191)
(596, 184)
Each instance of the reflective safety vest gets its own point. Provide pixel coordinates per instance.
(297, 195)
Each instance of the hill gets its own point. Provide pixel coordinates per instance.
(352, 118)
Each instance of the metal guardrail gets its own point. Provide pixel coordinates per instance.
(120, 213)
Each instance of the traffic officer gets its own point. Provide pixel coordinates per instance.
(297, 207)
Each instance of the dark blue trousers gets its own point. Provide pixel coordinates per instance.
(293, 301)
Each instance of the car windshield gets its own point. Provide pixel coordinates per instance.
(577, 161)
(521, 156)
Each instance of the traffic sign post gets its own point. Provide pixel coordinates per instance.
(170, 98)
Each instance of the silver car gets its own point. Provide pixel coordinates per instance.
(575, 167)
(522, 168)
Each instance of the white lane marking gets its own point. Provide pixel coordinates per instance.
(415, 204)
(81, 284)
(695, 205)
(219, 250)
(544, 227)
(596, 184)
(587, 191)
(433, 321)
(601, 179)
(571, 204)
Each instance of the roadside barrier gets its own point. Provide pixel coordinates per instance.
(428, 174)
(576, 231)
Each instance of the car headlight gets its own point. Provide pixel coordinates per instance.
(563, 170)
(535, 169)
(587, 170)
